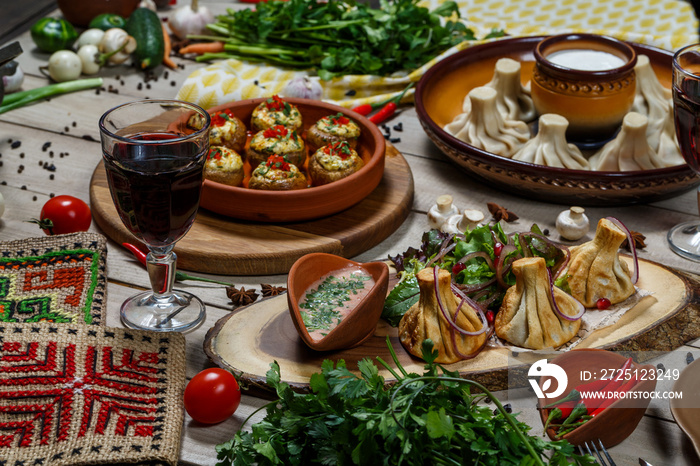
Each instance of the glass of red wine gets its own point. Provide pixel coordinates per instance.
(684, 239)
(154, 153)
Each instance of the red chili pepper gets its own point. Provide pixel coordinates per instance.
(627, 386)
(139, 254)
(366, 109)
(563, 411)
(383, 114)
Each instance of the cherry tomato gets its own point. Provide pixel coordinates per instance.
(212, 396)
(64, 214)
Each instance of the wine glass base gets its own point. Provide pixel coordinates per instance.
(179, 312)
(684, 240)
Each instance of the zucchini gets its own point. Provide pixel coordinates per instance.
(144, 26)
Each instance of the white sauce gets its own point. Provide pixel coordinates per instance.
(586, 60)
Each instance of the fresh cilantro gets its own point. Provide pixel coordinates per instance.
(421, 419)
(340, 37)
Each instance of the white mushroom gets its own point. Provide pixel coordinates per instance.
(117, 44)
(572, 224)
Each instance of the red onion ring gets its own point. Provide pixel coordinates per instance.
(563, 265)
(507, 249)
(477, 287)
(481, 254)
(633, 249)
(581, 310)
(473, 304)
(448, 317)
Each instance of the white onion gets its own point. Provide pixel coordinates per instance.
(581, 308)
(633, 249)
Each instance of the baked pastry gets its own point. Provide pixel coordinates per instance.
(630, 149)
(485, 128)
(425, 320)
(330, 129)
(276, 140)
(549, 146)
(276, 174)
(224, 165)
(225, 130)
(333, 162)
(527, 317)
(595, 270)
(275, 111)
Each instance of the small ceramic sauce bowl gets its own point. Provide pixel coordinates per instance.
(616, 422)
(357, 326)
(588, 79)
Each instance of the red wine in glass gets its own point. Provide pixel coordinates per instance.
(684, 239)
(154, 161)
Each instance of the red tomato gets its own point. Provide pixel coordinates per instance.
(212, 396)
(65, 214)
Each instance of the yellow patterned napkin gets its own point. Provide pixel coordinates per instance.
(667, 24)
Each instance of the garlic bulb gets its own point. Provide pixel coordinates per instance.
(572, 224)
(303, 88)
(190, 19)
(13, 82)
(441, 211)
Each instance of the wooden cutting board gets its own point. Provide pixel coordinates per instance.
(222, 245)
(663, 321)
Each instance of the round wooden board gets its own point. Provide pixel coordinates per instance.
(661, 322)
(222, 245)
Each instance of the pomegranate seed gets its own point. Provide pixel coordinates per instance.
(458, 267)
(489, 316)
(602, 304)
(497, 248)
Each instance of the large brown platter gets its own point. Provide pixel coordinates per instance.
(663, 321)
(301, 204)
(439, 97)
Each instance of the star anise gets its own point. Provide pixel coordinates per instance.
(269, 290)
(638, 239)
(501, 213)
(241, 297)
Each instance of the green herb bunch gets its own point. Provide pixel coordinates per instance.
(340, 37)
(422, 419)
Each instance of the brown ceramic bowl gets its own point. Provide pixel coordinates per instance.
(439, 97)
(301, 204)
(617, 421)
(360, 324)
(81, 12)
(594, 102)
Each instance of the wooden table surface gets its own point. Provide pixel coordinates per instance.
(70, 123)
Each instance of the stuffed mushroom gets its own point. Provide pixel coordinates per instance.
(277, 174)
(276, 140)
(224, 166)
(275, 111)
(333, 162)
(330, 129)
(226, 129)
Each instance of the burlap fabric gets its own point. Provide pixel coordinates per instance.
(54, 279)
(77, 395)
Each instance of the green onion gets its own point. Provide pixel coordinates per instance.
(20, 99)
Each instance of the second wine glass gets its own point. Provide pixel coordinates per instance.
(154, 157)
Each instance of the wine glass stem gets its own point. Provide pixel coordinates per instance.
(161, 263)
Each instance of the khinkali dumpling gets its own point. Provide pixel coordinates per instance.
(425, 320)
(549, 146)
(485, 128)
(652, 100)
(595, 270)
(527, 317)
(512, 98)
(630, 149)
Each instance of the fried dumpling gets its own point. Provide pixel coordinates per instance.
(549, 146)
(630, 149)
(595, 270)
(425, 320)
(485, 128)
(527, 317)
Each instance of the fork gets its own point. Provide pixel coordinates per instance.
(599, 450)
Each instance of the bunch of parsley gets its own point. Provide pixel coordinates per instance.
(422, 419)
(339, 37)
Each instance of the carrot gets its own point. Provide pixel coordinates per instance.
(202, 48)
(167, 61)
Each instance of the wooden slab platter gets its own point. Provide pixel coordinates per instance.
(249, 339)
(222, 245)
